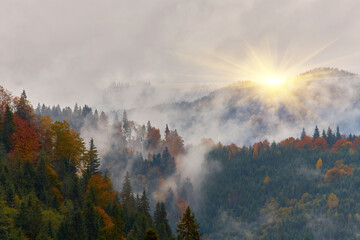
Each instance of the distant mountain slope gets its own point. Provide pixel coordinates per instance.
(247, 111)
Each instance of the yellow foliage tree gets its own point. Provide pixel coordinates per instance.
(68, 144)
(266, 180)
(255, 152)
(333, 201)
(319, 164)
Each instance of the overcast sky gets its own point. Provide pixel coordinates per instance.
(62, 51)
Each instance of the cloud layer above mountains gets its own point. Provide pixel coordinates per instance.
(65, 51)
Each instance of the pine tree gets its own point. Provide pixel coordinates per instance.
(93, 159)
(316, 133)
(187, 228)
(330, 136)
(92, 221)
(148, 126)
(303, 134)
(7, 128)
(161, 222)
(167, 132)
(126, 126)
(144, 204)
(127, 197)
(323, 134)
(338, 135)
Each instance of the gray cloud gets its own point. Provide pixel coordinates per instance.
(65, 51)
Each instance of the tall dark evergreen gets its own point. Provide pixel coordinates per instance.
(338, 135)
(167, 132)
(330, 138)
(93, 159)
(323, 135)
(161, 223)
(126, 126)
(303, 134)
(127, 197)
(7, 128)
(316, 133)
(187, 228)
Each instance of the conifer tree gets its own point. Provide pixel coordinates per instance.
(23, 108)
(330, 136)
(323, 134)
(338, 135)
(7, 128)
(303, 134)
(126, 191)
(167, 132)
(92, 159)
(187, 228)
(92, 221)
(161, 222)
(316, 133)
(126, 126)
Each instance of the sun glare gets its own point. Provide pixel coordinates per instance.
(274, 80)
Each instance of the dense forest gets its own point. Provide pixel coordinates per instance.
(51, 186)
(54, 187)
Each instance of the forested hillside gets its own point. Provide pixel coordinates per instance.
(54, 186)
(296, 188)
(51, 186)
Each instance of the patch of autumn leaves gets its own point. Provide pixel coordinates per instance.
(336, 172)
(340, 145)
(25, 142)
(101, 189)
(108, 223)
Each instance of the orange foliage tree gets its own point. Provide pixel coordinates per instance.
(336, 172)
(101, 190)
(307, 143)
(355, 143)
(24, 141)
(154, 138)
(340, 145)
(288, 143)
(320, 143)
(175, 144)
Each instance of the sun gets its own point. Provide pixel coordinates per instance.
(274, 81)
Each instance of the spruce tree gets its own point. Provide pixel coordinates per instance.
(338, 135)
(323, 134)
(303, 134)
(187, 228)
(126, 126)
(127, 197)
(92, 159)
(167, 132)
(330, 136)
(316, 133)
(161, 222)
(7, 128)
